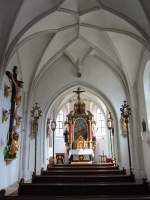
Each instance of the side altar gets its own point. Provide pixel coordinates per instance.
(79, 137)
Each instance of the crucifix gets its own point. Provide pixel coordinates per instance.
(16, 86)
(78, 106)
(15, 97)
(78, 91)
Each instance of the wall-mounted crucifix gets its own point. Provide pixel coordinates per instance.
(16, 86)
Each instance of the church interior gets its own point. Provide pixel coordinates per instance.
(75, 99)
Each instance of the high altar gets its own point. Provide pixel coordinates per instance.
(81, 142)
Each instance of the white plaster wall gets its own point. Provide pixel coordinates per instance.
(145, 136)
(9, 173)
(124, 151)
(95, 74)
(146, 152)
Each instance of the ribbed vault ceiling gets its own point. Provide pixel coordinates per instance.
(40, 31)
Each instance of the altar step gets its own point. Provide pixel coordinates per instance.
(66, 189)
(83, 166)
(81, 178)
(81, 171)
(85, 182)
(83, 197)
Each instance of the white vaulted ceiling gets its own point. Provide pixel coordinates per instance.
(40, 31)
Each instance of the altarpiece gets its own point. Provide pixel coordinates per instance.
(81, 142)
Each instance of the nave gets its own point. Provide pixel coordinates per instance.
(84, 181)
(74, 90)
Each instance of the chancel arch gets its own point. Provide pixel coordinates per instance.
(99, 107)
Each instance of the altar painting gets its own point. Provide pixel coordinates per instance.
(80, 129)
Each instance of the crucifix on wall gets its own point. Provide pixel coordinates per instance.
(16, 85)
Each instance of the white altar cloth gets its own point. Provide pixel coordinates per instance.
(81, 152)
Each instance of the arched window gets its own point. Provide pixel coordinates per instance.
(100, 129)
(60, 124)
(146, 82)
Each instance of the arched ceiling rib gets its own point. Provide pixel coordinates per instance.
(136, 10)
(109, 29)
(32, 10)
(29, 56)
(7, 19)
(58, 44)
(131, 8)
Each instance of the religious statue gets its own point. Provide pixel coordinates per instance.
(7, 91)
(12, 147)
(66, 134)
(123, 124)
(80, 142)
(86, 143)
(15, 119)
(5, 115)
(33, 127)
(48, 130)
(143, 125)
(94, 143)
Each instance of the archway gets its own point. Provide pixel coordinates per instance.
(98, 105)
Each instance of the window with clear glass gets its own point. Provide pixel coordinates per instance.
(100, 123)
(146, 82)
(60, 124)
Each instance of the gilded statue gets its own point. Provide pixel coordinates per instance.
(123, 124)
(11, 149)
(14, 146)
(86, 143)
(80, 142)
